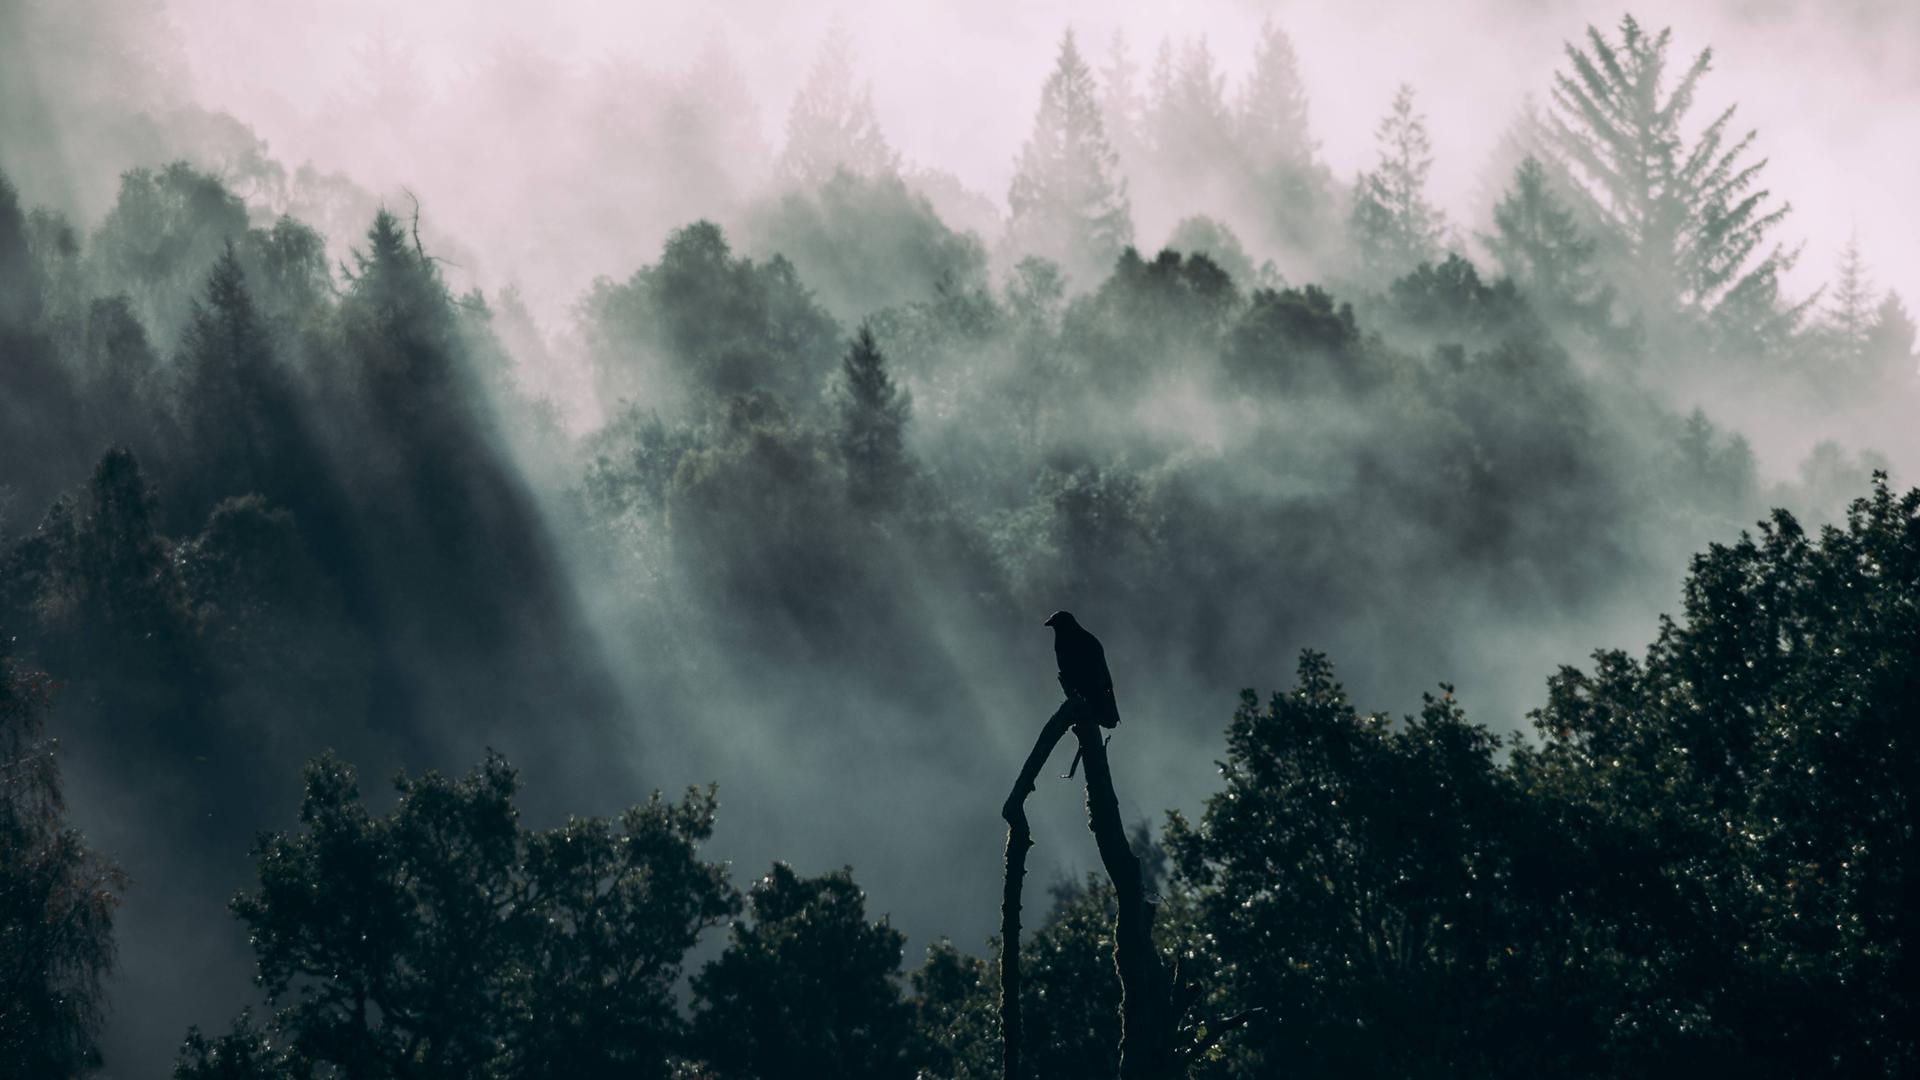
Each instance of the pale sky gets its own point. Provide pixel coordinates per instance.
(1833, 88)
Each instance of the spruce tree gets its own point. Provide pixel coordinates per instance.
(873, 420)
(1394, 227)
(1889, 346)
(831, 124)
(1068, 201)
(1537, 243)
(1690, 212)
(1850, 313)
(1122, 110)
(1281, 155)
(1189, 121)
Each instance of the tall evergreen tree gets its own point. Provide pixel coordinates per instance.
(1690, 213)
(1890, 343)
(1394, 227)
(831, 124)
(1122, 108)
(1068, 201)
(233, 402)
(1188, 119)
(873, 421)
(1851, 311)
(1537, 243)
(1282, 156)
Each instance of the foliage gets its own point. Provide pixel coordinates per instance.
(1394, 226)
(807, 987)
(57, 900)
(1067, 201)
(445, 939)
(1693, 218)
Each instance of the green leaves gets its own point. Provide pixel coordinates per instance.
(444, 939)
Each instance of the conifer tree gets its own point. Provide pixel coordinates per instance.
(1188, 118)
(1889, 345)
(1394, 226)
(1122, 109)
(1851, 312)
(233, 402)
(831, 124)
(1537, 243)
(1068, 201)
(1281, 154)
(873, 421)
(1690, 212)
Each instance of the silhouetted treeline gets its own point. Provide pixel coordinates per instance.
(273, 487)
(1700, 861)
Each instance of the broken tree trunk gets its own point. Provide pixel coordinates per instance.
(1146, 1021)
(1019, 839)
(1146, 1026)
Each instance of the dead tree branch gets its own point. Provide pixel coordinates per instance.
(1019, 839)
(1146, 1026)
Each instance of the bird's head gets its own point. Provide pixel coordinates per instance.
(1061, 620)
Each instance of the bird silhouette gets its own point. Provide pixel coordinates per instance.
(1083, 672)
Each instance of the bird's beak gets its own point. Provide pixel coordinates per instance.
(1049, 621)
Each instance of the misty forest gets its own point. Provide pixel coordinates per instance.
(550, 581)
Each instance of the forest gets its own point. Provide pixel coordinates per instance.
(408, 677)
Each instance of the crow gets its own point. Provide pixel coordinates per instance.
(1083, 672)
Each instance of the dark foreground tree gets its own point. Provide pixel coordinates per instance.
(446, 940)
(807, 987)
(56, 901)
(1706, 864)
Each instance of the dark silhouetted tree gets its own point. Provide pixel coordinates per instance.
(807, 987)
(1200, 235)
(57, 898)
(234, 403)
(446, 940)
(873, 422)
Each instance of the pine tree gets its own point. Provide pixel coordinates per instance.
(832, 124)
(1122, 110)
(1067, 200)
(873, 420)
(1188, 119)
(1889, 346)
(1538, 244)
(1850, 313)
(1272, 110)
(1394, 226)
(1270, 121)
(1690, 214)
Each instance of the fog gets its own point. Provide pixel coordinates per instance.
(625, 539)
(1828, 86)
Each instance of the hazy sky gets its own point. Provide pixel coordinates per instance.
(1834, 88)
